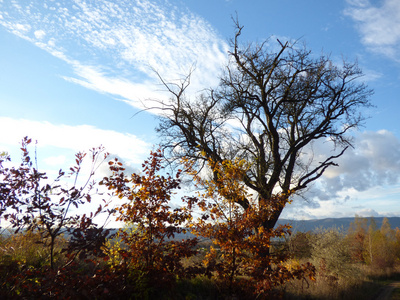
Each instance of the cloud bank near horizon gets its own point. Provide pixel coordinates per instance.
(364, 175)
(75, 138)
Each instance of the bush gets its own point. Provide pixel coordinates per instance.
(330, 252)
(27, 248)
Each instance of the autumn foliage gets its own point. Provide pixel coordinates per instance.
(240, 254)
(149, 244)
(144, 259)
(44, 213)
(32, 203)
(166, 248)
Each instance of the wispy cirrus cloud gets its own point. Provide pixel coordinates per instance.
(378, 24)
(110, 45)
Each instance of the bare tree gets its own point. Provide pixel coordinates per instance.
(269, 108)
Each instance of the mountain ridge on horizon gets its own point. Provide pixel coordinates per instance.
(338, 223)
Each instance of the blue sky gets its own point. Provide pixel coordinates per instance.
(73, 74)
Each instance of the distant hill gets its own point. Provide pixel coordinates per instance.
(314, 225)
(340, 223)
(297, 225)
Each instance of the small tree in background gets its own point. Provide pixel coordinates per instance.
(300, 244)
(380, 245)
(331, 253)
(356, 236)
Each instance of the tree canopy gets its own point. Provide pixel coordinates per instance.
(271, 105)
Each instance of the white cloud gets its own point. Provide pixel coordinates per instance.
(375, 161)
(366, 180)
(379, 25)
(378, 201)
(76, 138)
(300, 210)
(114, 47)
(370, 75)
(39, 34)
(368, 212)
(133, 93)
(55, 160)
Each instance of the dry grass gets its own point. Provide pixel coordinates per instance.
(395, 295)
(325, 288)
(28, 249)
(365, 284)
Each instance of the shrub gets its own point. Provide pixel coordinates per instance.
(331, 254)
(30, 203)
(150, 246)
